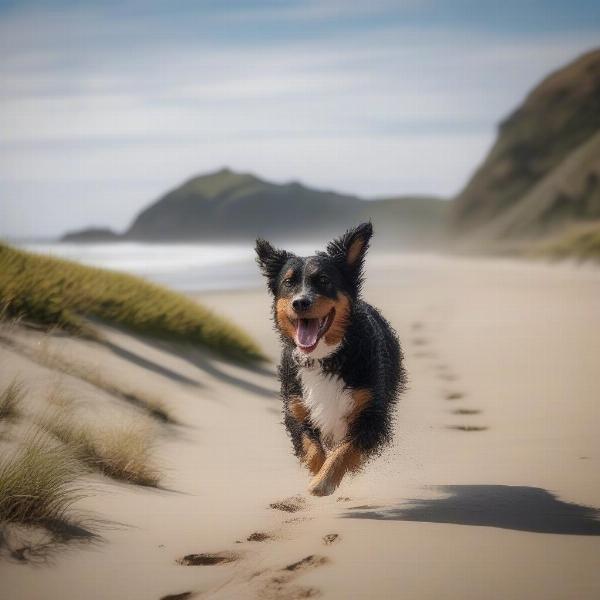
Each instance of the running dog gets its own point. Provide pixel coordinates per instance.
(341, 364)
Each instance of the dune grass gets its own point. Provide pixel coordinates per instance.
(38, 484)
(122, 452)
(10, 401)
(59, 293)
(151, 405)
(578, 242)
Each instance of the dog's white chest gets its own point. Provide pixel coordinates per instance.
(328, 402)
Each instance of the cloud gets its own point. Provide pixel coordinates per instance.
(148, 97)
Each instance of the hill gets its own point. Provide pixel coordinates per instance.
(570, 193)
(91, 234)
(229, 206)
(226, 205)
(543, 170)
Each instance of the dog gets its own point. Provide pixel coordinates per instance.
(341, 368)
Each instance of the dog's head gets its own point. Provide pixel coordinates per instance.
(313, 295)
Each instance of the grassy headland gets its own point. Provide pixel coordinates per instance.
(55, 292)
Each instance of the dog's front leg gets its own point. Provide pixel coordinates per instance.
(313, 455)
(345, 457)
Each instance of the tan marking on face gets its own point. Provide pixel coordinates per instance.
(313, 455)
(283, 309)
(337, 330)
(321, 308)
(354, 251)
(288, 274)
(298, 409)
(361, 398)
(343, 459)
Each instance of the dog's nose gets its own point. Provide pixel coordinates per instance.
(301, 303)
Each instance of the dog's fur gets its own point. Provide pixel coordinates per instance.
(339, 393)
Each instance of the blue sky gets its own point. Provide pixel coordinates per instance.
(104, 106)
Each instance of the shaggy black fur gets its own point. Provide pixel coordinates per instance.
(369, 356)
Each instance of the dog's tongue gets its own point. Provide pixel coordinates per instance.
(307, 332)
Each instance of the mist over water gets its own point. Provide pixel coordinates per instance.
(184, 267)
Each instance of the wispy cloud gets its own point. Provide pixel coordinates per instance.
(143, 96)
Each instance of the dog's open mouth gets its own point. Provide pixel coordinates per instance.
(310, 331)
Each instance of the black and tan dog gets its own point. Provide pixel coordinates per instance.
(341, 364)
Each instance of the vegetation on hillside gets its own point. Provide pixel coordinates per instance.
(560, 115)
(581, 243)
(229, 206)
(54, 292)
(568, 195)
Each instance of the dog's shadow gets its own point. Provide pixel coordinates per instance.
(520, 508)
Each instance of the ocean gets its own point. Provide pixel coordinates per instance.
(184, 267)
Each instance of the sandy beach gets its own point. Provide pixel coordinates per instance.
(491, 489)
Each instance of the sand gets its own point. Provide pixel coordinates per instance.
(486, 492)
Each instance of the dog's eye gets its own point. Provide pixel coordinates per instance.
(287, 283)
(323, 279)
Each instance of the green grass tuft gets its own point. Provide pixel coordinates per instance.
(123, 452)
(10, 401)
(54, 292)
(37, 485)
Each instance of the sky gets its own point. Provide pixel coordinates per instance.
(104, 106)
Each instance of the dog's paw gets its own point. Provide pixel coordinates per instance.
(321, 486)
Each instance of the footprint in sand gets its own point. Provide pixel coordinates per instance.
(466, 411)
(331, 538)
(445, 373)
(447, 376)
(309, 562)
(268, 583)
(468, 427)
(417, 326)
(278, 586)
(425, 354)
(454, 395)
(291, 504)
(420, 341)
(181, 596)
(259, 536)
(208, 559)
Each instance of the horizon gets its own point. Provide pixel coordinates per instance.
(106, 108)
(42, 239)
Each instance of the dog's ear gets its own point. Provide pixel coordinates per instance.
(271, 261)
(350, 249)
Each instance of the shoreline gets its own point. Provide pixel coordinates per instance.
(483, 493)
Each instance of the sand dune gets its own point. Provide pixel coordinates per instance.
(488, 492)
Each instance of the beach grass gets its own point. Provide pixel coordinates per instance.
(122, 452)
(150, 404)
(53, 292)
(38, 483)
(11, 398)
